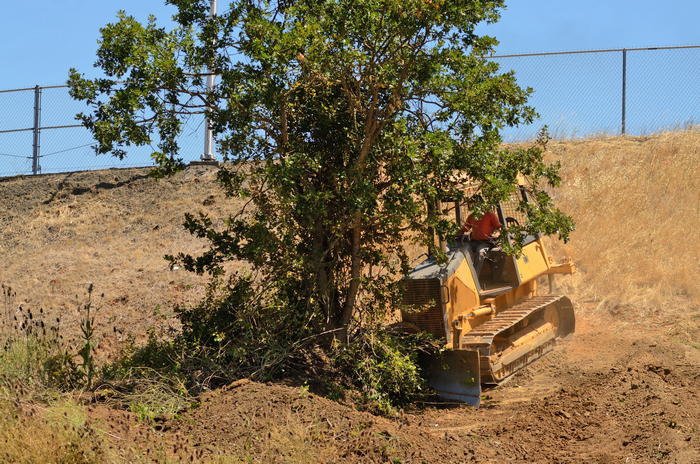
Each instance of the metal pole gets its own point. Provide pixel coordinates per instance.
(37, 123)
(208, 134)
(624, 87)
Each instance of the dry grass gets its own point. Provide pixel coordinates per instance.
(635, 200)
(110, 228)
(63, 433)
(60, 433)
(636, 203)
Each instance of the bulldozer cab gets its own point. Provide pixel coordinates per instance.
(499, 272)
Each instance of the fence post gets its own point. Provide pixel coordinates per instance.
(37, 123)
(624, 87)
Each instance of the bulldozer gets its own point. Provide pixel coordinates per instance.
(493, 323)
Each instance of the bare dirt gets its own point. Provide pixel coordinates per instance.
(626, 389)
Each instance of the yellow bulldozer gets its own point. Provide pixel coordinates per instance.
(493, 322)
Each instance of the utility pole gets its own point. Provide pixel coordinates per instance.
(208, 156)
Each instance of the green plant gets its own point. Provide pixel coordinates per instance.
(87, 368)
(33, 352)
(383, 367)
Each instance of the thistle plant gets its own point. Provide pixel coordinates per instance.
(87, 329)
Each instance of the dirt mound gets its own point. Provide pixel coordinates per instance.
(605, 397)
(639, 408)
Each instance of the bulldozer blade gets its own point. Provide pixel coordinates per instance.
(454, 374)
(568, 320)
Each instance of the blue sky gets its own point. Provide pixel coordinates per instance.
(533, 26)
(575, 95)
(43, 39)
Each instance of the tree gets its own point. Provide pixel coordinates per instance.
(340, 120)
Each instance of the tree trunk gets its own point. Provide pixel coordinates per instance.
(355, 270)
(324, 289)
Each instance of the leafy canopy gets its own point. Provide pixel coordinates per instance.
(340, 121)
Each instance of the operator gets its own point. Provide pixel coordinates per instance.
(482, 230)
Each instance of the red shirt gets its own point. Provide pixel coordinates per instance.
(482, 228)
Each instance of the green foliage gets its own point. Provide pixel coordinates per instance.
(157, 354)
(382, 367)
(243, 331)
(37, 362)
(339, 121)
(160, 377)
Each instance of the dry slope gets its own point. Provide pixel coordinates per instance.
(626, 389)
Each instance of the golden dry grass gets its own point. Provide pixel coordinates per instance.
(636, 203)
(635, 200)
(30, 434)
(62, 432)
(111, 228)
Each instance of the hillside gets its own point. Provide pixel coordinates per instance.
(111, 228)
(626, 389)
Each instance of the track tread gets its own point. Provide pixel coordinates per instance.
(483, 336)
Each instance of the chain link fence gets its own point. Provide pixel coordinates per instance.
(39, 134)
(636, 91)
(577, 94)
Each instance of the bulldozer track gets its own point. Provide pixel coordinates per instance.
(481, 339)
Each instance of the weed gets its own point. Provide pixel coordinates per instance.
(87, 329)
(690, 344)
(149, 380)
(33, 351)
(56, 431)
(30, 437)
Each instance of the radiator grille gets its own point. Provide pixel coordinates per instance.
(421, 292)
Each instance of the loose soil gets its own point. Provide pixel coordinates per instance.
(625, 389)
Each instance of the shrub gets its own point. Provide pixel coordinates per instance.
(383, 367)
(242, 329)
